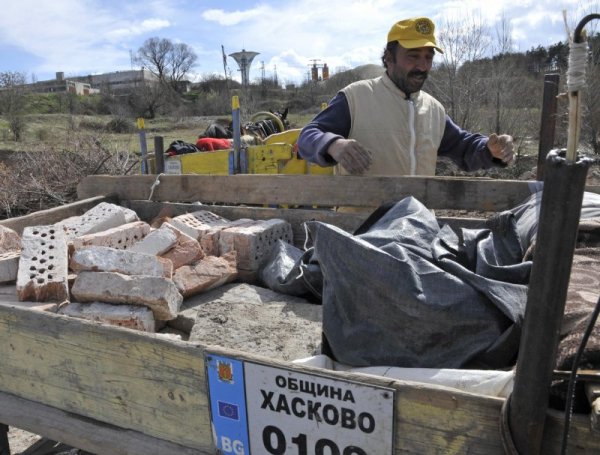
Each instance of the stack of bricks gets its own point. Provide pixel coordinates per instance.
(251, 240)
(120, 260)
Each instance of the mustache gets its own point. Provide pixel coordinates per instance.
(418, 73)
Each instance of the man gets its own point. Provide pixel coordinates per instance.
(389, 126)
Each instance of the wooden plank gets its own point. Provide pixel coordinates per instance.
(53, 215)
(84, 433)
(132, 380)
(321, 190)
(144, 386)
(149, 210)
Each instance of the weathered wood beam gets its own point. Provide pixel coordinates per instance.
(314, 190)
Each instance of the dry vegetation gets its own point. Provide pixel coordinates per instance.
(43, 169)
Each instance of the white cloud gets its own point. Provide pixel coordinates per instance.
(136, 29)
(97, 35)
(223, 17)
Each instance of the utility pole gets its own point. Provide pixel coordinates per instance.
(225, 70)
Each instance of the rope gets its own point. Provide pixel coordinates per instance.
(578, 53)
(154, 185)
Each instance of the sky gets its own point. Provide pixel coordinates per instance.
(82, 37)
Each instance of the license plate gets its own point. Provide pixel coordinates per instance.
(260, 409)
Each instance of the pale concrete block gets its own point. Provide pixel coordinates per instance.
(43, 267)
(130, 316)
(99, 218)
(258, 321)
(208, 273)
(9, 266)
(186, 250)
(121, 237)
(127, 262)
(254, 243)
(209, 240)
(157, 293)
(9, 240)
(195, 224)
(157, 242)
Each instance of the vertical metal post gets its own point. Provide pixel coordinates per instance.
(548, 122)
(143, 145)
(159, 154)
(564, 185)
(237, 133)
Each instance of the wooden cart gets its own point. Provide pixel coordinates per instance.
(111, 390)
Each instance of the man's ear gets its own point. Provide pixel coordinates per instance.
(389, 57)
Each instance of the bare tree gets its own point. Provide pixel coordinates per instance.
(170, 62)
(12, 101)
(463, 40)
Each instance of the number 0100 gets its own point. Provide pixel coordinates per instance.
(275, 443)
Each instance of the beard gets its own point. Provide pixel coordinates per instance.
(410, 82)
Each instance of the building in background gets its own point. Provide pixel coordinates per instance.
(117, 82)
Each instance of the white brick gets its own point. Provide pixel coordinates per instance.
(157, 293)
(130, 316)
(157, 242)
(195, 224)
(254, 243)
(121, 237)
(43, 267)
(99, 218)
(105, 259)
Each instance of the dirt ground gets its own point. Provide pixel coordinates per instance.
(20, 440)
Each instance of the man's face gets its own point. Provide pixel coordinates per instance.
(409, 67)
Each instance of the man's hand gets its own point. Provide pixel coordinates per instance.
(352, 156)
(501, 147)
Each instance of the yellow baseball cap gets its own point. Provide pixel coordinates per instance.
(413, 33)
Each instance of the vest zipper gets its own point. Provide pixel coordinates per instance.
(413, 137)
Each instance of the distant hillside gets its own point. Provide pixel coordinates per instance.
(355, 74)
(368, 71)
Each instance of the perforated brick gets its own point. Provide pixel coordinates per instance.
(254, 243)
(121, 237)
(195, 224)
(43, 267)
(99, 218)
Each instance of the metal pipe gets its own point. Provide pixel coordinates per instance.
(564, 185)
(237, 133)
(159, 154)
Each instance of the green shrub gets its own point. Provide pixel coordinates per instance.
(120, 125)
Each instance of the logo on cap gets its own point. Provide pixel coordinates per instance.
(424, 27)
